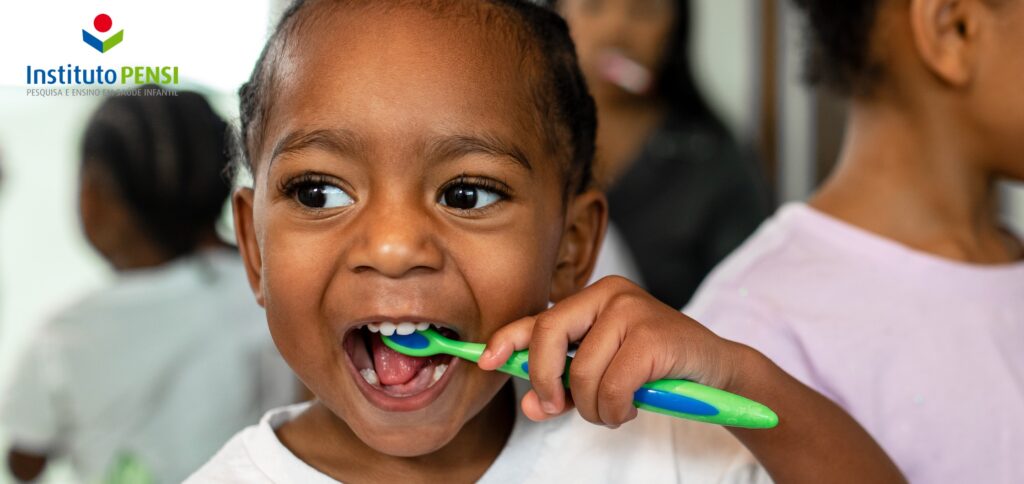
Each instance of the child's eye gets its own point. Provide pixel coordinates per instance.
(468, 196)
(322, 195)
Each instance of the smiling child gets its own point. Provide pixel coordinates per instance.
(428, 163)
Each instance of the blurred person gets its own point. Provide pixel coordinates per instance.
(681, 192)
(156, 371)
(896, 290)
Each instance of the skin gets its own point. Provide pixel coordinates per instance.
(394, 81)
(639, 29)
(940, 127)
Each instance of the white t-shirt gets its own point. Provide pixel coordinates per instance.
(926, 353)
(650, 449)
(163, 367)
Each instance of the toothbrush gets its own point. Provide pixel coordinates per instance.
(675, 398)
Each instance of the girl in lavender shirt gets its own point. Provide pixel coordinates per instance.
(895, 290)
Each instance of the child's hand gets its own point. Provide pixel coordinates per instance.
(627, 338)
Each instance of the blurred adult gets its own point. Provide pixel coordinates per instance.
(152, 374)
(681, 191)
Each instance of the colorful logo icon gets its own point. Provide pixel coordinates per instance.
(102, 23)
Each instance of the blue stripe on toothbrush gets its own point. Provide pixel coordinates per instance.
(665, 400)
(415, 340)
(673, 402)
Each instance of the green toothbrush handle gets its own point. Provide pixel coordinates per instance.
(678, 398)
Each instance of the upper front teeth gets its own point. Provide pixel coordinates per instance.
(404, 328)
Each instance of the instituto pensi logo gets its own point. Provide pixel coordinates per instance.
(102, 23)
(77, 80)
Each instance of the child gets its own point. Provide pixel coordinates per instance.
(133, 375)
(680, 190)
(422, 162)
(896, 291)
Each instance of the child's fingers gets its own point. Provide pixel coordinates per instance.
(593, 356)
(533, 411)
(629, 370)
(511, 337)
(552, 333)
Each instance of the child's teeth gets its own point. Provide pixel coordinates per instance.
(371, 376)
(406, 328)
(422, 326)
(387, 329)
(373, 327)
(438, 371)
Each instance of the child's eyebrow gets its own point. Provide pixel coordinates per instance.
(346, 143)
(340, 141)
(454, 146)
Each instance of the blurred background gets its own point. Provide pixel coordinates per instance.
(745, 56)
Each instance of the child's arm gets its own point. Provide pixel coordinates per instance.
(628, 338)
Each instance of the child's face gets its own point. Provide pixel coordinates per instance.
(405, 129)
(636, 29)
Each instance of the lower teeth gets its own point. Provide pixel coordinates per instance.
(369, 375)
(438, 372)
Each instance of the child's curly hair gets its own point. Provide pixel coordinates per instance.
(565, 110)
(839, 44)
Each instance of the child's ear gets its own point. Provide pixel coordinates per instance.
(248, 244)
(946, 36)
(586, 219)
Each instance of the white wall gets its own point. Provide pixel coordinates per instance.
(795, 117)
(1013, 206)
(725, 59)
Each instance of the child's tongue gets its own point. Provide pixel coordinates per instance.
(394, 368)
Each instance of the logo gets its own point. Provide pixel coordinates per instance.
(77, 80)
(102, 23)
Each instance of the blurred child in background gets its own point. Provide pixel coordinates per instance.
(157, 370)
(896, 290)
(680, 191)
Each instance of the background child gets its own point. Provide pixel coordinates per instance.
(429, 163)
(680, 190)
(138, 371)
(896, 291)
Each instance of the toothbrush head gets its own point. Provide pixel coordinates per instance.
(419, 344)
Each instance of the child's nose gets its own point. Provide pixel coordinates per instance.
(394, 242)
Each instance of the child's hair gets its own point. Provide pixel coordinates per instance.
(166, 156)
(564, 107)
(839, 44)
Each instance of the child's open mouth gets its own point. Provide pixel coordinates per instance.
(391, 373)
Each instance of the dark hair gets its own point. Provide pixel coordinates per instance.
(839, 44)
(166, 156)
(564, 106)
